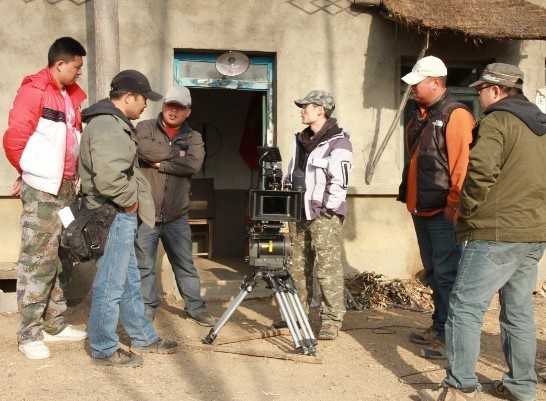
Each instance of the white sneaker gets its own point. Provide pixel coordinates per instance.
(69, 333)
(35, 350)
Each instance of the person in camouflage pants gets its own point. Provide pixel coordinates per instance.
(320, 166)
(42, 144)
(40, 296)
(319, 240)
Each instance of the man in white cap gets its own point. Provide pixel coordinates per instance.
(502, 216)
(437, 145)
(171, 152)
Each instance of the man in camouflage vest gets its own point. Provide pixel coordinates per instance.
(323, 158)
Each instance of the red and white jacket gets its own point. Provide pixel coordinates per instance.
(35, 141)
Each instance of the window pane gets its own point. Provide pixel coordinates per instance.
(207, 70)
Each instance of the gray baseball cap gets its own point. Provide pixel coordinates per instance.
(321, 98)
(178, 94)
(501, 74)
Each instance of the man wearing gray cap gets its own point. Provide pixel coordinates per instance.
(437, 139)
(323, 155)
(502, 216)
(170, 152)
(110, 172)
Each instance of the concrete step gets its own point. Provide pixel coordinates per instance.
(221, 278)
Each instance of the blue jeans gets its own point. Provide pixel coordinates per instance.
(487, 267)
(176, 239)
(440, 255)
(116, 293)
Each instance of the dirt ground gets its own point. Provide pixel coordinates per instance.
(371, 360)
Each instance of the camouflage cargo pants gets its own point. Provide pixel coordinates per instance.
(317, 245)
(40, 297)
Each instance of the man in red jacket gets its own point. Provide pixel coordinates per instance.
(42, 143)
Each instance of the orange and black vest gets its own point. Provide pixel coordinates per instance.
(428, 137)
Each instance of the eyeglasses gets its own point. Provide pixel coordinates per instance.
(479, 90)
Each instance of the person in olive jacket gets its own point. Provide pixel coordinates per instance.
(110, 172)
(502, 216)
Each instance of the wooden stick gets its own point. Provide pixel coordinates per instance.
(259, 353)
(255, 336)
(371, 167)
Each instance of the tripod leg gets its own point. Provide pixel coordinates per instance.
(289, 318)
(295, 303)
(297, 322)
(246, 287)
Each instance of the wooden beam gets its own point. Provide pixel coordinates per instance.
(255, 336)
(258, 353)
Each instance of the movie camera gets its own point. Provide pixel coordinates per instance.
(269, 209)
(270, 249)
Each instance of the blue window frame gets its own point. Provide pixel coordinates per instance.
(198, 70)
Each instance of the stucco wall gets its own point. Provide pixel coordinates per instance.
(355, 56)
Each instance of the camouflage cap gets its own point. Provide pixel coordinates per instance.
(322, 98)
(501, 74)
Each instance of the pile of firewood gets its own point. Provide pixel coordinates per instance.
(371, 290)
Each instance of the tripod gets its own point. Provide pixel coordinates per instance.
(282, 284)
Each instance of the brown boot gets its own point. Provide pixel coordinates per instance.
(424, 338)
(448, 394)
(436, 351)
(328, 332)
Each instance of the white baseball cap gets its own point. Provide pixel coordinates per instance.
(178, 94)
(428, 66)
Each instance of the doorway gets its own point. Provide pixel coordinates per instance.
(230, 122)
(234, 115)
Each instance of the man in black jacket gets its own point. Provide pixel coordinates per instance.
(171, 152)
(437, 139)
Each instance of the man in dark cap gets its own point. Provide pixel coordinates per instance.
(110, 173)
(502, 216)
(323, 155)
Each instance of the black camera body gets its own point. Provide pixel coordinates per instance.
(269, 209)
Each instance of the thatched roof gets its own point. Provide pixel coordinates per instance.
(494, 19)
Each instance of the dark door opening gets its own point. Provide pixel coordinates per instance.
(231, 122)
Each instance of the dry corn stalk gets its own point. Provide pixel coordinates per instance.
(371, 290)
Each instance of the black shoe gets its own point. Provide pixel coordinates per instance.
(120, 358)
(159, 347)
(204, 319)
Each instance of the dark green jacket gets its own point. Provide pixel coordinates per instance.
(504, 194)
(108, 163)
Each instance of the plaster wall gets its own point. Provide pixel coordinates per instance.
(355, 56)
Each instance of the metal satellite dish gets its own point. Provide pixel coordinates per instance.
(232, 63)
